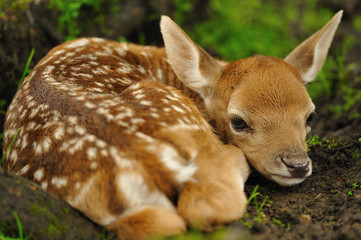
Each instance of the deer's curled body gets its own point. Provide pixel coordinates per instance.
(99, 131)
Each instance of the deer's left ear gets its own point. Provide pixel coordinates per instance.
(309, 56)
(193, 66)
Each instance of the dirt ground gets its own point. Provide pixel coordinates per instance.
(326, 206)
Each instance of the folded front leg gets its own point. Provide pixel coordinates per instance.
(216, 196)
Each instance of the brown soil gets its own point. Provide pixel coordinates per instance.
(325, 206)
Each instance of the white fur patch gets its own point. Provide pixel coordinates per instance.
(24, 169)
(38, 175)
(171, 159)
(137, 193)
(59, 181)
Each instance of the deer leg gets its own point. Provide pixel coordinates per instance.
(216, 196)
(148, 223)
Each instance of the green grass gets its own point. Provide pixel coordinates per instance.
(326, 143)
(20, 231)
(238, 29)
(355, 186)
(8, 149)
(249, 220)
(27, 70)
(69, 14)
(355, 155)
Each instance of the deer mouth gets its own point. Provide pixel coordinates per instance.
(286, 180)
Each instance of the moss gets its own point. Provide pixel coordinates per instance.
(54, 227)
(66, 211)
(38, 211)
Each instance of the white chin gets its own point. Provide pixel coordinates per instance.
(286, 181)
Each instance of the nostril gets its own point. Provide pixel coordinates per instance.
(297, 169)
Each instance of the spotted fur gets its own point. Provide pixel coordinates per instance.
(100, 128)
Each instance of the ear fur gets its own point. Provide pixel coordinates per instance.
(192, 65)
(309, 57)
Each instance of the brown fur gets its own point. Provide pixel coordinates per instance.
(97, 130)
(267, 93)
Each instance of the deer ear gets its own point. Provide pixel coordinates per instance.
(309, 56)
(192, 65)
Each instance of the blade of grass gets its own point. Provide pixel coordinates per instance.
(26, 69)
(20, 227)
(8, 149)
(253, 194)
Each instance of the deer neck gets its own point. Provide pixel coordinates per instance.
(153, 62)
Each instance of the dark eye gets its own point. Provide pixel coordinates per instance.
(239, 124)
(310, 118)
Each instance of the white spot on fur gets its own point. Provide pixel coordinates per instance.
(145, 137)
(48, 69)
(120, 161)
(90, 105)
(93, 165)
(101, 143)
(104, 152)
(38, 175)
(77, 186)
(64, 146)
(24, 169)
(178, 109)
(97, 40)
(24, 142)
(77, 43)
(145, 102)
(77, 145)
(137, 120)
(72, 119)
(92, 153)
(44, 185)
(38, 148)
(80, 130)
(139, 96)
(46, 144)
(155, 115)
(70, 130)
(59, 133)
(160, 74)
(59, 181)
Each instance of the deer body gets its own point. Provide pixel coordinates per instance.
(102, 126)
(97, 130)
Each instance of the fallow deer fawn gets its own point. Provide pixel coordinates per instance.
(101, 127)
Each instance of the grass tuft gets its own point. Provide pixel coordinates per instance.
(8, 149)
(26, 70)
(20, 229)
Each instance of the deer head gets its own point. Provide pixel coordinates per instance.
(260, 103)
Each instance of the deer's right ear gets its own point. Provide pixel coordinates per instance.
(309, 56)
(192, 65)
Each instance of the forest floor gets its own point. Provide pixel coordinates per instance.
(327, 205)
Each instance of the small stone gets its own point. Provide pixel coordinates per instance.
(305, 218)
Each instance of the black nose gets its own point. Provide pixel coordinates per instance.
(297, 170)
